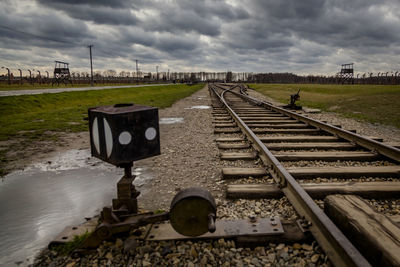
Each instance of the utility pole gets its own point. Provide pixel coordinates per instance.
(91, 65)
(137, 72)
(157, 72)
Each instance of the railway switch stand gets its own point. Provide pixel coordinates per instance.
(293, 99)
(123, 133)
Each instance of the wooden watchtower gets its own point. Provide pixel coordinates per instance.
(346, 74)
(61, 73)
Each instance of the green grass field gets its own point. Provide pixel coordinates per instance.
(28, 86)
(32, 115)
(372, 103)
(40, 117)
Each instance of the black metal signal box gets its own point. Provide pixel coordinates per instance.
(123, 133)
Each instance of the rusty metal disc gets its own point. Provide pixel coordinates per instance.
(190, 211)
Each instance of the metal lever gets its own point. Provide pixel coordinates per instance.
(211, 222)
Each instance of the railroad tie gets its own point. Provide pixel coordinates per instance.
(280, 126)
(220, 113)
(248, 118)
(238, 155)
(261, 122)
(225, 125)
(259, 114)
(226, 130)
(372, 190)
(222, 121)
(309, 145)
(286, 131)
(263, 119)
(327, 156)
(373, 233)
(234, 146)
(345, 172)
(230, 139)
(222, 117)
(232, 173)
(300, 138)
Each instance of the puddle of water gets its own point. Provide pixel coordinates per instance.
(37, 203)
(170, 120)
(199, 107)
(70, 160)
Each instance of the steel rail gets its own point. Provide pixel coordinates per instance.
(375, 146)
(338, 248)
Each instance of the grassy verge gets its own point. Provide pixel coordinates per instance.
(32, 115)
(27, 86)
(372, 103)
(30, 118)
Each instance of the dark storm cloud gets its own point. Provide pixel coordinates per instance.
(135, 35)
(247, 35)
(188, 21)
(305, 9)
(108, 3)
(332, 22)
(170, 43)
(102, 15)
(208, 9)
(46, 31)
(104, 12)
(203, 17)
(287, 29)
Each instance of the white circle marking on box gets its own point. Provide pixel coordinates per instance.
(150, 133)
(125, 138)
(109, 138)
(95, 135)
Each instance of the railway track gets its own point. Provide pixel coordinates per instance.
(307, 160)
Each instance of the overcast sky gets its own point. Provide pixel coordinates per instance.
(299, 36)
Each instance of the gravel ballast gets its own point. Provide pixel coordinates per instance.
(190, 157)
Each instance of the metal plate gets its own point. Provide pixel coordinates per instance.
(225, 229)
(69, 232)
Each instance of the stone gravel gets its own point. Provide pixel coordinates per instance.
(133, 252)
(244, 208)
(190, 157)
(241, 163)
(265, 180)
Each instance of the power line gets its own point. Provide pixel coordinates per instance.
(91, 65)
